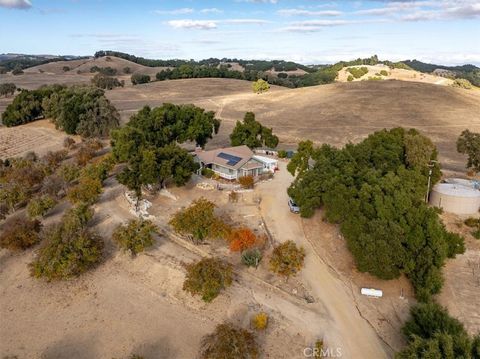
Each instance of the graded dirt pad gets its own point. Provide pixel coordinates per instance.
(336, 114)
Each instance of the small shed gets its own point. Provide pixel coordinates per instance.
(456, 196)
(269, 164)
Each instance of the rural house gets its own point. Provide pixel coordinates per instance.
(233, 162)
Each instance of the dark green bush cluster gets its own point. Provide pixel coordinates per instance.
(251, 257)
(106, 82)
(432, 333)
(375, 190)
(68, 248)
(208, 278)
(153, 155)
(27, 106)
(135, 236)
(358, 72)
(252, 133)
(137, 79)
(107, 71)
(475, 224)
(77, 110)
(207, 172)
(7, 89)
(81, 110)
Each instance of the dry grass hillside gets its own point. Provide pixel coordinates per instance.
(394, 74)
(336, 113)
(83, 66)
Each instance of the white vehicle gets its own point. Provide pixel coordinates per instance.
(370, 292)
(294, 208)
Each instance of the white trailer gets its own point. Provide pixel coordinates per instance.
(370, 292)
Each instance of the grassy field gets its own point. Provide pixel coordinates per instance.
(337, 113)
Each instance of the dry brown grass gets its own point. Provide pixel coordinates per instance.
(335, 114)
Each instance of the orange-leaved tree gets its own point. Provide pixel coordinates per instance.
(241, 239)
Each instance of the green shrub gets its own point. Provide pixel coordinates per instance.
(139, 79)
(207, 172)
(251, 257)
(375, 191)
(199, 221)
(462, 83)
(384, 73)
(19, 234)
(135, 236)
(229, 341)
(246, 182)
(69, 172)
(432, 333)
(208, 278)
(287, 259)
(472, 222)
(86, 191)
(39, 206)
(69, 248)
(476, 234)
(350, 78)
(282, 154)
(358, 72)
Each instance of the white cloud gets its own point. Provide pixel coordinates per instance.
(245, 21)
(260, 1)
(303, 12)
(212, 10)
(193, 24)
(185, 10)
(212, 24)
(426, 10)
(16, 4)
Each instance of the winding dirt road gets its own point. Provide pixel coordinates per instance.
(346, 329)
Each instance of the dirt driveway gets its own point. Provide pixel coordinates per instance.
(345, 328)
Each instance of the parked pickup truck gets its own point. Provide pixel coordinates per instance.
(293, 206)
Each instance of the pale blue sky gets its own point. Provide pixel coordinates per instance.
(307, 31)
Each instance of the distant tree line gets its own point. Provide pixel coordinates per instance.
(80, 110)
(467, 72)
(375, 191)
(26, 61)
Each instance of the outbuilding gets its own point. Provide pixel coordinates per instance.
(269, 164)
(456, 196)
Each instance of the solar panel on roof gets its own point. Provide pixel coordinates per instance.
(232, 160)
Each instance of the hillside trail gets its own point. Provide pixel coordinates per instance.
(347, 329)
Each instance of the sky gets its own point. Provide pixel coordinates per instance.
(305, 31)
